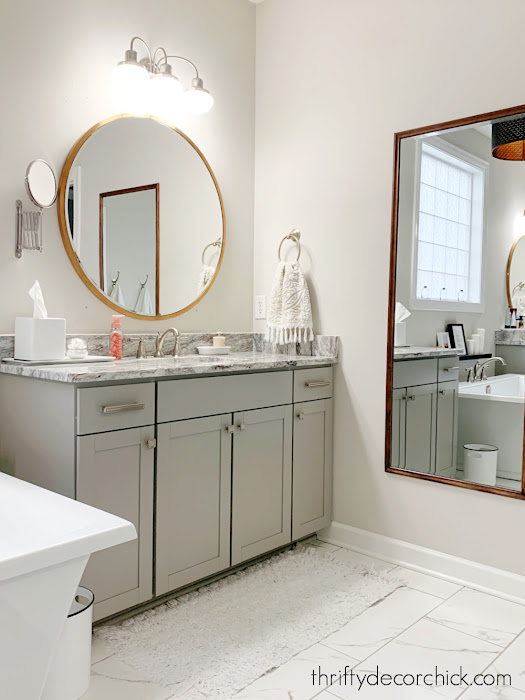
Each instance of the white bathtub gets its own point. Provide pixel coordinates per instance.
(492, 412)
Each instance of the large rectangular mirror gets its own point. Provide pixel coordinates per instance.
(456, 356)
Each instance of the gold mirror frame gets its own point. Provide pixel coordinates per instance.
(66, 240)
(509, 263)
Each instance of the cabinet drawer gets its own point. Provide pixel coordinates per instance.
(414, 372)
(193, 398)
(448, 369)
(312, 384)
(100, 409)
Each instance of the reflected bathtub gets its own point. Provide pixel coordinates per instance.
(492, 412)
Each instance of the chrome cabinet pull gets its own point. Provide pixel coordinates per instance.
(123, 408)
(450, 369)
(314, 385)
(230, 429)
(300, 415)
(442, 392)
(151, 444)
(242, 426)
(412, 397)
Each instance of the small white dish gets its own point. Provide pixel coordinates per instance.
(212, 350)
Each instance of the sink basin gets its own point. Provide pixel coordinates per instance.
(46, 543)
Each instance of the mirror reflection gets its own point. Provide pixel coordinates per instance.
(458, 379)
(146, 231)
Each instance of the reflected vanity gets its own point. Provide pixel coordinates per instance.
(458, 204)
(135, 225)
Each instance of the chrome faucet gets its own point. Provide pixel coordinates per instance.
(480, 369)
(160, 342)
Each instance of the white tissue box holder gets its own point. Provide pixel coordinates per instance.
(400, 334)
(40, 338)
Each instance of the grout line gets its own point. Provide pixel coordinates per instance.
(404, 568)
(395, 636)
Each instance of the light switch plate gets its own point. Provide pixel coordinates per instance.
(260, 306)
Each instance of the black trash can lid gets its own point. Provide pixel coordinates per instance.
(481, 448)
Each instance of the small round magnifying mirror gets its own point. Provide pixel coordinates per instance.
(41, 184)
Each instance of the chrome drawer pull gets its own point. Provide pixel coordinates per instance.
(300, 415)
(230, 429)
(412, 397)
(451, 369)
(123, 408)
(314, 385)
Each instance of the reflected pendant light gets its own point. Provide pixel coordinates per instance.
(508, 139)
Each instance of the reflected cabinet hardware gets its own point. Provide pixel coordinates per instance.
(452, 192)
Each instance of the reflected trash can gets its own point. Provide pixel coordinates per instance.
(70, 672)
(480, 463)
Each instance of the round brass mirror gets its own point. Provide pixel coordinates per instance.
(141, 217)
(516, 276)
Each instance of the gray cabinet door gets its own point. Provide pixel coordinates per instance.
(312, 467)
(421, 428)
(115, 474)
(262, 482)
(397, 454)
(447, 428)
(193, 500)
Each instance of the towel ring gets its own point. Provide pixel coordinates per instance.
(216, 244)
(294, 236)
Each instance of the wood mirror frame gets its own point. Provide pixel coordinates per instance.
(64, 232)
(398, 137)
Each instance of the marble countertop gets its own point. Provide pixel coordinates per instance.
(415, 353)
(152, 368)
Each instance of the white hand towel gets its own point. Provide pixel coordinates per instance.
(144, 304)
(115, 294)
(290, 311)
(205, 278)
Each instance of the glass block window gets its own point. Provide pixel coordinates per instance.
(450, 227)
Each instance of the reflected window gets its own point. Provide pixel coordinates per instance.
(449, 232)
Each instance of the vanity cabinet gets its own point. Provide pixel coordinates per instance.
(447, 428)
(425, 416)
(312, 467)
(420, 428)
(193, 500)
(115, 474)
(261, 482)
(213, 471)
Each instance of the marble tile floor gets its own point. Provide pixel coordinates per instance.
(426, 623)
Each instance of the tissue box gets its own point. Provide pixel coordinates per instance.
(400, 334)
(40, 338)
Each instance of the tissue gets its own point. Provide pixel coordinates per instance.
(38, 337)
(400, 327)
(39, 308)
(401, 313)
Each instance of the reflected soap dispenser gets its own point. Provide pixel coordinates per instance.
(116, 338)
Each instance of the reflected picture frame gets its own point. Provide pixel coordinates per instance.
(458, 339)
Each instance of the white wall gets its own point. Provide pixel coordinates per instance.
(335, 79)
(56, 60)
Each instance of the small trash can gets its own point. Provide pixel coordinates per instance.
(480, 463)
(70, 672)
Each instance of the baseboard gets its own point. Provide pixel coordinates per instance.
(464, 572)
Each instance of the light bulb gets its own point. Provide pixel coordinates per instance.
(128, 85)
(197, 99)
(164, 94)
